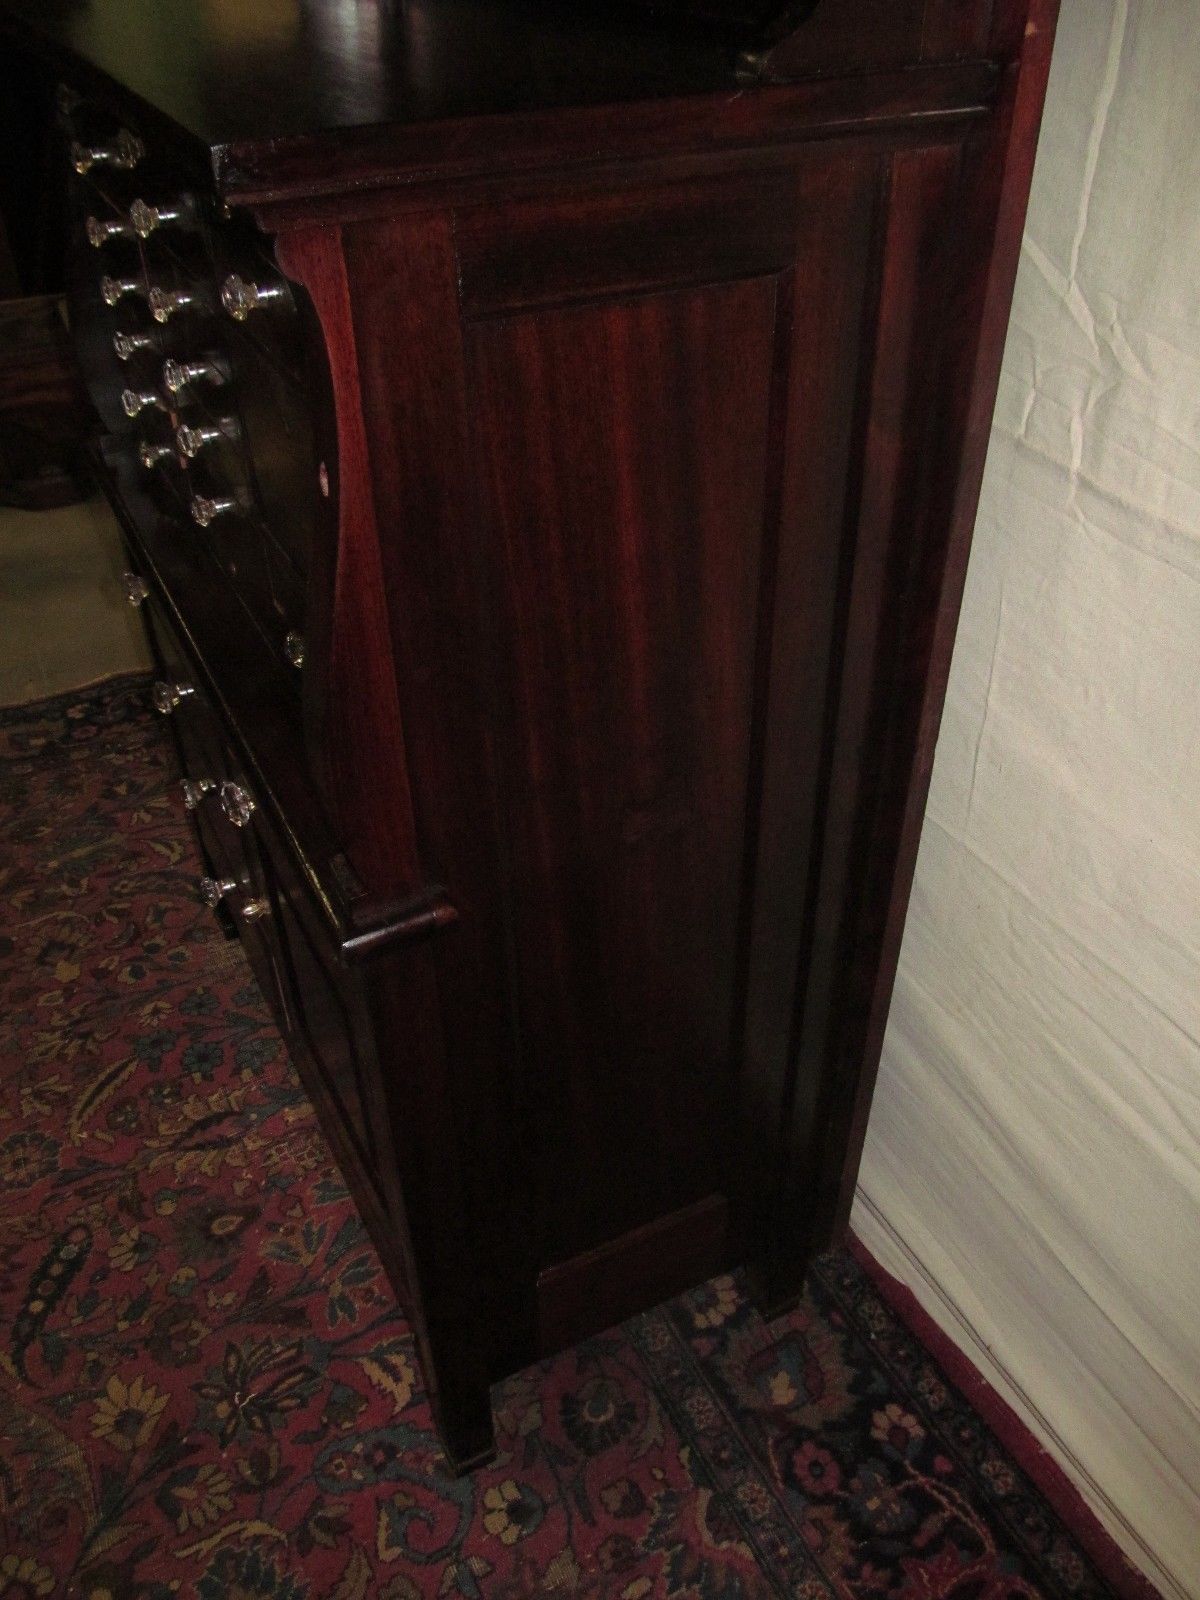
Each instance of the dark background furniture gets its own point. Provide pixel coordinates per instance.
(548, 441)
(44, 417)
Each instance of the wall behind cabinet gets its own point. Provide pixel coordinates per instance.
(1033, 1160)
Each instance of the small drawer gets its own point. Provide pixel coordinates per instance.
(261, 575)
(277, 434)
(217, 797)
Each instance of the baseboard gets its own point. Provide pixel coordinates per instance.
(897, 1257)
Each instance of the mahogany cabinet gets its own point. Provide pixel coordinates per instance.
(547, 442)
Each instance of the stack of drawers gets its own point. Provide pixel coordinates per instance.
(194, 354)
(195, 361)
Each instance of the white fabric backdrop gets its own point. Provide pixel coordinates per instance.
(1033, 1159)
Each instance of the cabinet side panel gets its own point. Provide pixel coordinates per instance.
(450, 1066)
(623, 453)
(919, 243)
(836, 266)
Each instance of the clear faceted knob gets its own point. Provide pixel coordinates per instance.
(114, 289)
(99, 233)
(237, 804)
(127, 345)
(164, 303)
(241, 298)
(146, 218)
(136, 589)
(124, 153)
(135, 401)
(206, 509)
(166, 696)
(252, 910)
(153, 455)
(191, 440)
(178, 374)
(194, 790)
(214, 890)
(293, 648)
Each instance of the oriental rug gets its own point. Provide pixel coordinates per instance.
(206, 1389)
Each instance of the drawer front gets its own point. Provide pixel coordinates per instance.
(232, 883)
(256, 891)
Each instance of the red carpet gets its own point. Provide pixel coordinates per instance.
(206, 1389)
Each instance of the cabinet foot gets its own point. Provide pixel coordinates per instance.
(466, 1431)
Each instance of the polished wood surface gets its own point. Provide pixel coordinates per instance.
(227, 73)
(621, 422)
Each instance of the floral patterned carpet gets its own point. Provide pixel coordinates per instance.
(206, 1389)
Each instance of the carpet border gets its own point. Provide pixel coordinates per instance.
(48, 705)
(1050, 1480)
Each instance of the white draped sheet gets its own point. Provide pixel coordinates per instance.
(1033, 1158)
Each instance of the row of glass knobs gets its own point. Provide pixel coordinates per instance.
(238, 297)
(237, 803)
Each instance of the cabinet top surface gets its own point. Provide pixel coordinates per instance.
(229, 71)
(239, 74)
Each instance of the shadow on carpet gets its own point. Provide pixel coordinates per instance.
(206, 1388)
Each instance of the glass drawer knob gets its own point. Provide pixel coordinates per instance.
(124, 153)
(241, 298)
(114, 289)
(178, 374)
(99, 233)
(146, 218)
(194, 790)
(166, 696)
(214, 890)
(191, 439)
(206, 509)
(293, 649)
(164, 303)
(237, 804)
(136, 589)
(135, 401)
(152, 455)
(127, 345)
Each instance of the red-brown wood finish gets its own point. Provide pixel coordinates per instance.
(362, 720)
(655, 418)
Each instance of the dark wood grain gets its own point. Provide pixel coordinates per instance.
(343, 174)
(623, 450)
(362, 747)
(600, 1288)
(997, 174)
(625, 440)
(518, 255)
(916, 246)
(229, 75)
(466, 1154)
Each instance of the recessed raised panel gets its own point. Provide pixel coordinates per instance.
(624, 452)
(615, 242)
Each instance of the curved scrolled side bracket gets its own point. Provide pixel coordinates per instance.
(356, 738)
